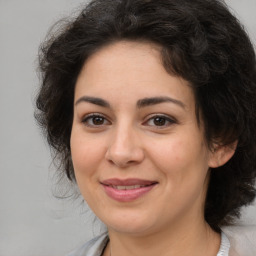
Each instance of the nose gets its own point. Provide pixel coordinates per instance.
(124, 148)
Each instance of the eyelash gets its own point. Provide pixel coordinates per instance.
(90, 117)
(152, 118)
(165, 118)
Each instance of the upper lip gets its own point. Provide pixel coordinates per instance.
(127, 182)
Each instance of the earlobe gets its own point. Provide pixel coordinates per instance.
(221, 155)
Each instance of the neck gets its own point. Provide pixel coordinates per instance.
(191, 240)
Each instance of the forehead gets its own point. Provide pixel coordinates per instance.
(128, 69)
(123, 56)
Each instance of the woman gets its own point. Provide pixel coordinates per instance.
(150, 107)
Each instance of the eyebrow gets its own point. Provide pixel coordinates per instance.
(140, 103)
(93, 100)
(157, 100)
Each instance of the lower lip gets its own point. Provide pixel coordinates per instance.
(127, 195)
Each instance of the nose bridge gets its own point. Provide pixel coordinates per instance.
(123, 136)
(124, 145)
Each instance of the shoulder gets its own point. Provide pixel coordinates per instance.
(93, 247)
(242, 240)
(224, 246)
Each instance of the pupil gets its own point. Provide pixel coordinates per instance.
(98, 120)
(159, 121)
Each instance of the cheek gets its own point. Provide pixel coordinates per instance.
(169, 153)
(86, 157)
(181, 158)
(85, 154)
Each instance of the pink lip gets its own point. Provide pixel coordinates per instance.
(127, 195)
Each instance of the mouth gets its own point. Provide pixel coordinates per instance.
(128, 187)
(127, 190)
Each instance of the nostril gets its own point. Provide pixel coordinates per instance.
(121, 162)
(124, 154)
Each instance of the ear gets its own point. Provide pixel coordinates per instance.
(221, 154)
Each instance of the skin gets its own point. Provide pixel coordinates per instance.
(126, 140)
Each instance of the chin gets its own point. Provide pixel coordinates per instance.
(129, 225)
(134, 230)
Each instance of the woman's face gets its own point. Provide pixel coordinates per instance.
(140, 158)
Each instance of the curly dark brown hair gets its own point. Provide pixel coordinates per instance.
(203, 43)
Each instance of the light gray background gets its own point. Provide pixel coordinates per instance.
(32, 221)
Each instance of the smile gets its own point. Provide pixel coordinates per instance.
(128, 187)
(127, 190)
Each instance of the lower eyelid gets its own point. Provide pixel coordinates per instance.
(167, 118)
(91, 116)
(88, 118)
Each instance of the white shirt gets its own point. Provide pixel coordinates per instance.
(96, 246)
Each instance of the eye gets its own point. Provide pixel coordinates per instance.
(95, 120)
(160, 121)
